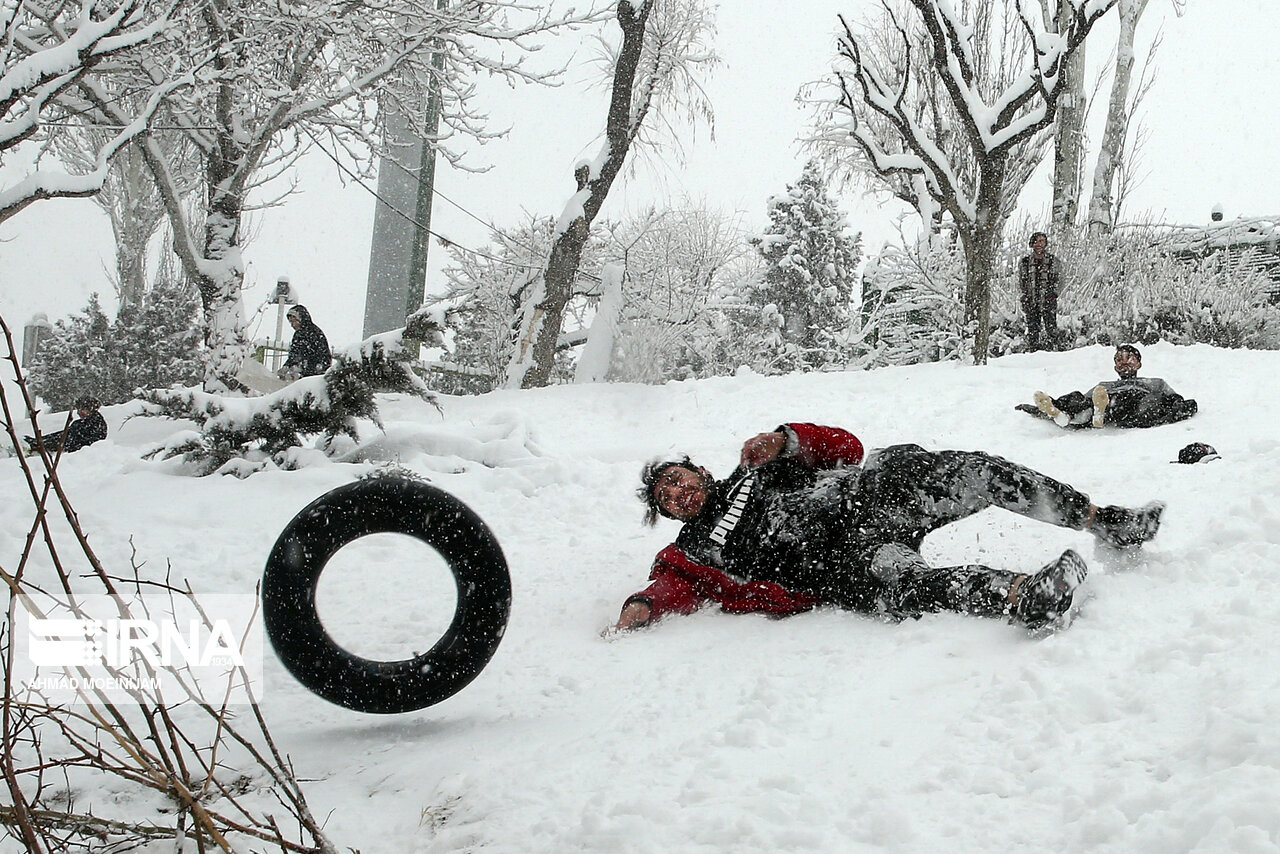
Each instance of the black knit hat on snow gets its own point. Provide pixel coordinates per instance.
(1197, 452)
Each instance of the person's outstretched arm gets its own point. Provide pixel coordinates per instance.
(668, 592)
(809, 444)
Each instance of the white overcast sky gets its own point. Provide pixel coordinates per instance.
(1212, 118)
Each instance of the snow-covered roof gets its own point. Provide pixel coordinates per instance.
(1261, 231)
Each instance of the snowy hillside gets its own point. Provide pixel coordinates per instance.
(1149, 726)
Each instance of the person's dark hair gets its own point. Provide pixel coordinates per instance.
(648, 477)
(1036, 234)
(89, 402)
(1130, 349)
(300, 312)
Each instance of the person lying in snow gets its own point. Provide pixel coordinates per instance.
(90, 427)
(1130, 401)
(800, 523)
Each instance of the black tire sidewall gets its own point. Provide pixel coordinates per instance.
(398, 506)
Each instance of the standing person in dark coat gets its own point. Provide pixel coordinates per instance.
(800, 524)
(309, 350)
(1038, 284)
(89, 428)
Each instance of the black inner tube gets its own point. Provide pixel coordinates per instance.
(376, 506)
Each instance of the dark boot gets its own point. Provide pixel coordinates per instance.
(1124, 528)
(1046, 596)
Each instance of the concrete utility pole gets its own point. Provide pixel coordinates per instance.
(402, 218)
(36, 330)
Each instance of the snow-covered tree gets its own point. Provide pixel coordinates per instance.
(999, 50)
(152, 344)
(129, 196)
(1068, 128)
(1109, 172)
(68, 361)
(274, 82)
(654, 285)
(967, 183)
(48, 50)
(653, 72)
(684, 265)
(483, 294)
(811, 265)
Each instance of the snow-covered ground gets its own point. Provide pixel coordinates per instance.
(1151, 725)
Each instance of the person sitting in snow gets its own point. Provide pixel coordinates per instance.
(803, 521)
(308, 350)
(1130, 401)
(89, 428)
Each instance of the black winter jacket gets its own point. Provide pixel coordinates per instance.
(79, 433)
(309, 349)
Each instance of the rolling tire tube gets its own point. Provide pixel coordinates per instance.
(398, 506)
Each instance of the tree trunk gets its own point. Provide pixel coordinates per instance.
(221, 279)
(131, 272)
(1101, 214)
(135, 214)
(980, 242)
(551, 296)
(1068, 141)
(542, 314)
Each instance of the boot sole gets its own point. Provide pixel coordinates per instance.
(1068, 573)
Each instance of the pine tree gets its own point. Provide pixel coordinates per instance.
(159, 342)
(71, 361)
(810, 268)
(152, 345)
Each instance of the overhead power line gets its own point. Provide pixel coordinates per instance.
(447, 241)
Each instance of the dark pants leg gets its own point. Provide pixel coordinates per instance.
(906, 492)
(1042, 330)
(1035, 330)
(899, 584)
(1073, 403)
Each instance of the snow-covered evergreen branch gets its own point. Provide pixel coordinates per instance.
(243, 435)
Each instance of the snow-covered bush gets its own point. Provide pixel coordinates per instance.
(1132, 287)
(242, 435)
(912, 306)
(154, 344)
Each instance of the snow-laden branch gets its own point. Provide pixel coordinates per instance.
(923, 156)
(45, 184)
(49, 51)
(45, 61)
(42, 61)
(1021, 109)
